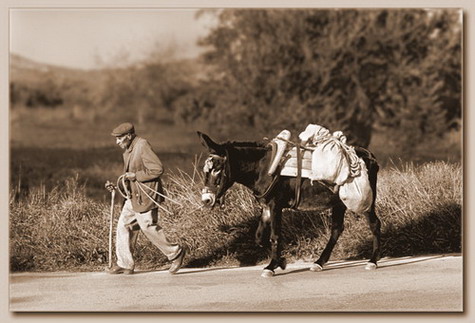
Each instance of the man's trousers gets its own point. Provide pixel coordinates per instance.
(127, 232)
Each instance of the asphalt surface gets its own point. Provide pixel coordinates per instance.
(419, 284)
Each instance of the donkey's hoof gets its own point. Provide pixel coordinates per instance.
(371, 266)
(266, 273)
(316, 268)
(283, 263)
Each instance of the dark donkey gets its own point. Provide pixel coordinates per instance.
(247, 163)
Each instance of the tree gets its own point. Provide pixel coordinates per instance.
(147, 89)
(345, 69)
(421, 96)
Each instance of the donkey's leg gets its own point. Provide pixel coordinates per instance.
(276, 243)
(263, 225)
(375, 226)
(373, 221)
(338, 215)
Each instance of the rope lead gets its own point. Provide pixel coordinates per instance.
(127, 195)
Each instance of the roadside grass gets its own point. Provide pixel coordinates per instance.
(420, 207)
(51, 128)
(46, 148)
(48, 167)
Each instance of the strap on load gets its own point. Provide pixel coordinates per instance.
(298, 183)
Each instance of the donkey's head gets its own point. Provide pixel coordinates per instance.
(216, 171)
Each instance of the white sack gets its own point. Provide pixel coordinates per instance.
(356, 193)
(329, 162)
(312, 132)
(329, 159)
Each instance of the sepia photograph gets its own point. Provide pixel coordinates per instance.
(236, 160)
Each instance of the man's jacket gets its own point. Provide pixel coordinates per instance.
(140, 159)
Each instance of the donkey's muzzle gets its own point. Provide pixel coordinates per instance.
(207, 197)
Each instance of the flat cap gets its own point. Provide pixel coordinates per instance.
(123, 129)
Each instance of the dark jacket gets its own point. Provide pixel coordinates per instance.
(140, 159)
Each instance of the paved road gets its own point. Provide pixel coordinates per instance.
(432, 283)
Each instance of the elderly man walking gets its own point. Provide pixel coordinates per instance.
(142, 167)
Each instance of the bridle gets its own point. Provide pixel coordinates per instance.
(216, 173)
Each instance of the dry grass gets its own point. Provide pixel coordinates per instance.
(63, 229)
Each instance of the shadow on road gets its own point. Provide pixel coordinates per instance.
(383, 263)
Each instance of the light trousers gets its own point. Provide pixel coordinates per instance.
(127, 236)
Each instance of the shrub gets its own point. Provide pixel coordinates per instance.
(419, 207)
(58, 230)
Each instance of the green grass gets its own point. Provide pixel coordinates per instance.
(63, 229)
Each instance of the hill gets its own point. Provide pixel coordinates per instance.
(36, 84)
(23, 69)
(26, 70)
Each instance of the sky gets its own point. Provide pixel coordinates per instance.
(89, 38)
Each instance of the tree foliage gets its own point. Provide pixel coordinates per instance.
(350, 70)
(145, 90)
(397, 70)
(47, 92)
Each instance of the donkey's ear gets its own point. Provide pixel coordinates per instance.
(208, 143)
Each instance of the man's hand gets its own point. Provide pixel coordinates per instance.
(109, 186)
(130, 176)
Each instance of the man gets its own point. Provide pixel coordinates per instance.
(142, 167)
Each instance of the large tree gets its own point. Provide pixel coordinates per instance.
(342, 68)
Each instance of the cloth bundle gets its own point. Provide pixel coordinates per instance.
(335, 162)
(329, 160)
(356, 192)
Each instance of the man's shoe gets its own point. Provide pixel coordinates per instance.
(177, 262)
(115, 270)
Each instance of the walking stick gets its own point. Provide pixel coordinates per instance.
(111, 221)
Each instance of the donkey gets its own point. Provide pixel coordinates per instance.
(247, 163)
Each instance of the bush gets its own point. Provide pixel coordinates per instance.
(58, 230)
(346, 69)
(419, 207)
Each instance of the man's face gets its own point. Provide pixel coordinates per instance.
(123, 141)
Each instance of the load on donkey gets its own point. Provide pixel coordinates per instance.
(319, 172)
